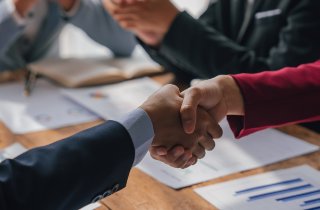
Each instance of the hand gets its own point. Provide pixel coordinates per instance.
(23, 6)
(163, 108)
(151, 16)
(149, 37)
(112, 5)
(219, 96)
(66, 4)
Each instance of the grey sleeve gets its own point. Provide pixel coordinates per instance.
(92, 18)
(9, 29)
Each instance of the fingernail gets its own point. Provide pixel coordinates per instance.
(178, 152)
(188, 126)
(161, 152)
(190, 162)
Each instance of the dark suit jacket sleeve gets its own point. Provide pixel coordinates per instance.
(271, 99)
(70, 173)
(197, 47)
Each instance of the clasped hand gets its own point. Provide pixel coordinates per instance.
(182, 131)
(186, 123)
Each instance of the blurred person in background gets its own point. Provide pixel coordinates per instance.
(29, 28)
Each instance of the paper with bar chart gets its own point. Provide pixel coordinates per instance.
(295, 188)
(230, 156)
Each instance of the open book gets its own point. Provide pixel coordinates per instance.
(78, 72)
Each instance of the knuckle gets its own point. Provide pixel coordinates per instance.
(171, 86)
(212, 145)
(195, 162)
(219, 132)
(186, 109)
(154, 156)
(175, 165)
(195, 91)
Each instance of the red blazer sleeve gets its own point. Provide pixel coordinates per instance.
(271, 99)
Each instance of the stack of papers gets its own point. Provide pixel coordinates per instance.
(296, 188)
(12, 151)
(50, 107)
(113, 101)
(230, 156)
(45, 108)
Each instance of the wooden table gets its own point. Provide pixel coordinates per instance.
(145, 193)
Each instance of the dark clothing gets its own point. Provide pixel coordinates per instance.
(70, 173)
(273, 99)
(279, 33)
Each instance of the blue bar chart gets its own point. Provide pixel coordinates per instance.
(289, 189)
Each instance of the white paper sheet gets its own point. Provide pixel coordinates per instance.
(91, 206)
(12, 151)
(45, 108)
(1, 157)
(296, 188)
(113, 101)
(230, 156)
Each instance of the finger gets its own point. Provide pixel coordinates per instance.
(195, 162)
(159, 150)
(183, 160)
(177, 151)
(128, 24)
(116, 2)
(208, 124)
(133, 1)
(199, 151)
(192, 161)
(128, 10)
(129, 1)
(214, 130)
(189, 109)
(171, 155)
(125, 17)
(177, 162)
(207, 142)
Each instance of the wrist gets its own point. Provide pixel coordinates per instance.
(170, 17)
(231, 95)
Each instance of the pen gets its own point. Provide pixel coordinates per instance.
(29, 82)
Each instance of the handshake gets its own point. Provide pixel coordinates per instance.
(186, 123)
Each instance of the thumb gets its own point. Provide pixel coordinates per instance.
(188, 110)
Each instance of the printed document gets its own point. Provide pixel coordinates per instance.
(295, 188)
(45, 108)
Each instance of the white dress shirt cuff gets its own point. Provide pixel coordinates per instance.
(140, 128)
(8, 9)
